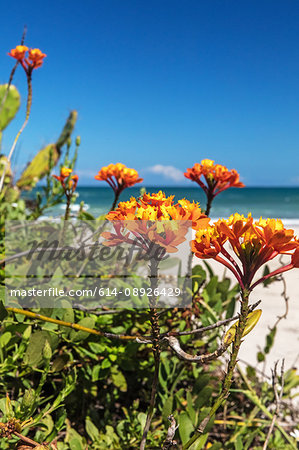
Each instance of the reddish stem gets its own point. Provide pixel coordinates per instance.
(231, 259)
(231, 268)
(272, 274)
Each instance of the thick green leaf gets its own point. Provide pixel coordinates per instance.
(92, 430)
(11, 105)
(76, 336)
(34, 353)
(185, 427)
(252, 320)
(167, 407)
(38, 167)
(67, 130)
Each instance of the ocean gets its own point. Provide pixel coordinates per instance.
(260, 201)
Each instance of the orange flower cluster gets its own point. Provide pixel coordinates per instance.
(218, 178)
(118, 176)
(157, 206)
(72, 181)
(34, 60)
(253, 244)
(152, 217)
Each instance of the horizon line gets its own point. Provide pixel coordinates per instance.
(191, 187)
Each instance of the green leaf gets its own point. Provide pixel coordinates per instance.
(198, 277)
(238, 443)
(34, 353)
(167, 407)
(216, 446)
(11, 105)
(141, 419)
(230, 308)
(76, 336)
(92, 430)
(3, 312)
(60, 362)
(260, 356)
(106, 364)
(75, 443)
(4, 339)
(270, 340)
(210, 270)
(211, 287)
(119, 380)
(199, 444)
(204, 397)
(268, 280)
(97, 348)
(190, 409)
(38, 167)
(48, 421)
(252, 320)
(185, 427)
(74, 439)
(67, 129)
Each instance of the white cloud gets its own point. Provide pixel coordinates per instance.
(167, 171)
(86, 172)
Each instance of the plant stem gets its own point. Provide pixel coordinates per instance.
(187, 277)
(154, 319)
(68, 207)
(75, 326)
(26, 439)
(230, 369)
(116, 197)
(66, 216)
(210, 198)
(12, 73)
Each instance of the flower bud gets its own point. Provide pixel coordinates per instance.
(28, 399)
(47, 352)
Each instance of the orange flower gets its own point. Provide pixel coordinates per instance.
(156, 218)
(18, 52)
(295, 258)
(73, 183)
(33, 61)
(35, 58)
(65, 173)
(118, 176)
(253, 244)
(159, 207)
(217, 178)
(157, 199)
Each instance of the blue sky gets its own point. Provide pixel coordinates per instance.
(162, 84)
